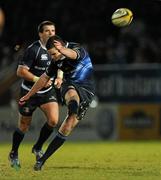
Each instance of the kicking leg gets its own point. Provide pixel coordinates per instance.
(67, 126)
(58, 141)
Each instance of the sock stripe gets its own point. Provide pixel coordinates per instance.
(60, 135)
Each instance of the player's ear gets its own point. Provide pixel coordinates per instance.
(40, 34)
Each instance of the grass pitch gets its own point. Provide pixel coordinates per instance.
(89, 161)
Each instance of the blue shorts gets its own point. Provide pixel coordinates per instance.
(85, 94)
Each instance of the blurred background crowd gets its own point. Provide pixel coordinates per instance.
(87, 22)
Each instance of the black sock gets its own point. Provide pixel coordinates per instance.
(18, 136)
(45, 132)
(56, 143)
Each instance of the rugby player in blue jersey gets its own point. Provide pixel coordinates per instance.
(77, 89)
(32, 65)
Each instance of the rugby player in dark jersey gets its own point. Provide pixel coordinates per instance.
(32, 65)
(77, 88)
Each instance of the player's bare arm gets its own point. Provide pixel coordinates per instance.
(59, 80)
(23, 72)
(36, 87)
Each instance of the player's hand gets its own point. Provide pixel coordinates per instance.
(23, 100)
(58, 45)
(58, 82)
(49, 83)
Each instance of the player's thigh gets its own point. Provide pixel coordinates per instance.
(71, 94)
(51, 110)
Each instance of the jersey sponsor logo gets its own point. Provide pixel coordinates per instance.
(48, 63)
(40, 68)
(44, 57)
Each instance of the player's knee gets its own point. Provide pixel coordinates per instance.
(53, 122)
(73, 107)
(24, 126)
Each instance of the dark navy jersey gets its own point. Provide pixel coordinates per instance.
(78, 71)
(37, 59)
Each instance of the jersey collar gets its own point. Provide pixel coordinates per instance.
(42, 45)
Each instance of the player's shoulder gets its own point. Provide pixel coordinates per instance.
(33, 47)
(73, 44)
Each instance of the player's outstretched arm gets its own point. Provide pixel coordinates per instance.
(36, 87)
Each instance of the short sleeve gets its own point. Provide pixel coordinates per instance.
(28, 57)
(81, 53)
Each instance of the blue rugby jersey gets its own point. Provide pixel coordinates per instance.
(78, 71)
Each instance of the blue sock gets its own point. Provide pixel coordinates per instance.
(55, 144)
(18, 136)
(45, 132)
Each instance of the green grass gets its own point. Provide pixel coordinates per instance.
(89, 161)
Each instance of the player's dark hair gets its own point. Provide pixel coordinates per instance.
(44, 23)
(52, 39)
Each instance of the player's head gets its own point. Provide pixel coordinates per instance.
(50, 45)
(43, 24)
(51, 41)
(46, 29)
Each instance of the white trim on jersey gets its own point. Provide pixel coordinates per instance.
(39, 92)
(87, 90)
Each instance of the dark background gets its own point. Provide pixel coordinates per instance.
(89, 23)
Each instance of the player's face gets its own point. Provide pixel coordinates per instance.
(55, 54)
(48, 31)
